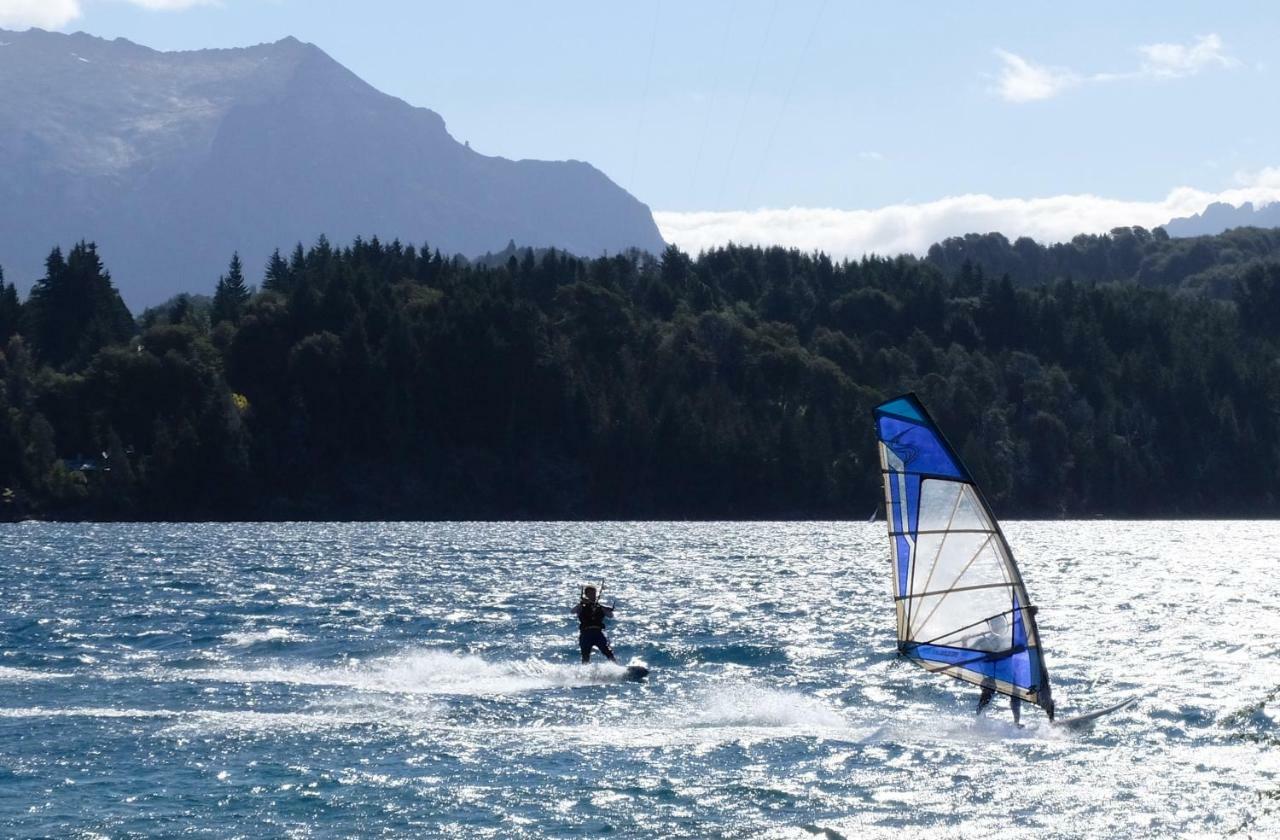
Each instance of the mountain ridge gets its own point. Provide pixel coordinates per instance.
(1220, 217)
(157, 155)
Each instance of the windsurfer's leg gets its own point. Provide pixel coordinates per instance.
(983, 699)
(603, 644)
(1016, 705)
(584, 645)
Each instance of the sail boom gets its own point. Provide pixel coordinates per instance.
(1001, 686)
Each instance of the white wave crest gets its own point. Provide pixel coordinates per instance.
(244, 722)
(271, 634)
(87, 712)
(754, 706)
(430, 672)
(28, 675)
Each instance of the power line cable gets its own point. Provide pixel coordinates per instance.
(644, 96)
(709, 112)
(746, 102)
(786, 101)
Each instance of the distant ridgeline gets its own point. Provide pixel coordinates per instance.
(384, 381)
(1209, 265)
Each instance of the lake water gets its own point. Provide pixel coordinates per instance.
(338, 680)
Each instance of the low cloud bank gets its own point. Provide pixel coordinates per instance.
(912, 228)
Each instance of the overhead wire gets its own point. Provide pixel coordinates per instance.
(644, 95)
(786, 101)
(746, 103)
(709, 111)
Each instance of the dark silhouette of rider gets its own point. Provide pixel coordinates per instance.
(989, 694)
(591, 619)
(995, 637)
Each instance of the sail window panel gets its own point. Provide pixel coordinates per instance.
(975, 619)
(969, 513)
(951, 505)
(946, 561)
(939, 502)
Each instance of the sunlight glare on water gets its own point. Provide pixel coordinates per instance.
(420, 680)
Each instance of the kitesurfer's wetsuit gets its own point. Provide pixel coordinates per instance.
(591, 616)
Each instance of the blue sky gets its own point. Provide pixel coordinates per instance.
(729, 106)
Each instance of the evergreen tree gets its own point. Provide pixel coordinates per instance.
(10, 310)
(1258, 299)
(74, 310)
(231, 294)
(394, 382)
(278, 277)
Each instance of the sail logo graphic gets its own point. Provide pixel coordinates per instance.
(908, 452)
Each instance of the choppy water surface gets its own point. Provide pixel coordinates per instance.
(418, 680)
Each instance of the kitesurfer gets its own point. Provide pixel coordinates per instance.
(591, 619)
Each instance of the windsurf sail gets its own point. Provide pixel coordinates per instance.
(962, 608)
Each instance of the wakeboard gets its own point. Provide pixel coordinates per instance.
(1087, 719)
(636, 673)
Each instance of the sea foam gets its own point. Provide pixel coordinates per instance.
(428, 672)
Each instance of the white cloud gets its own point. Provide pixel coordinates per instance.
(912, 228)
(1266, 178)
(47, 14)
(55, 14)
(1173, 61)
(170, 5)
(1022, 81)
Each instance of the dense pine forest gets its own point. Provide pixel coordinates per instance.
(1125, 375)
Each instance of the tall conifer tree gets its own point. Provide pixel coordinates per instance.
(278, 277)
(231, 294)
(10, 309)
(74, 310)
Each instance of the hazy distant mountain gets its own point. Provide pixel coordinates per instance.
(1219, 217)
(177, 159)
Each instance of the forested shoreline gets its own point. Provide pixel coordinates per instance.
(1124, 375)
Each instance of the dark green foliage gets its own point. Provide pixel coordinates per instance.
(74, 309)
(232, 292)
(385, 381)
(1258, 297)
(278, 277)
(10, 310)
(1202, 264)
(192, 310)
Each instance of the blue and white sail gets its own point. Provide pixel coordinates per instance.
(962, 608)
